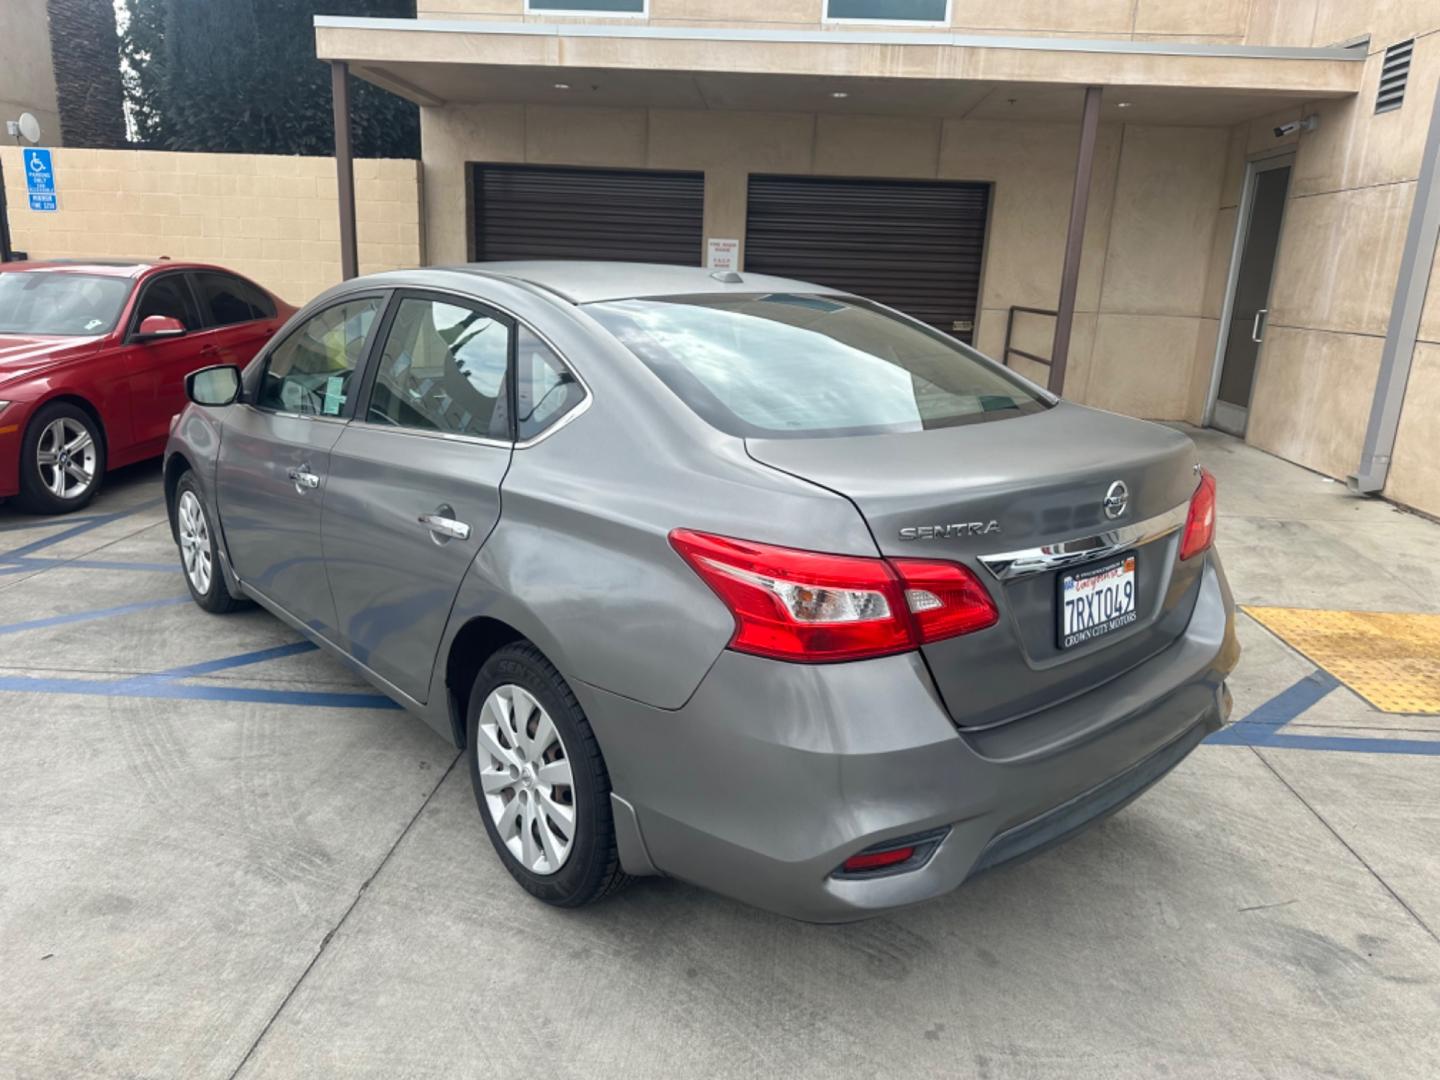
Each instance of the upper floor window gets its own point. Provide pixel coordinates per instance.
(587, 7)
(898, 11)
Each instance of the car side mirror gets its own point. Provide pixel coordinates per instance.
(159, 327)
(214, 386)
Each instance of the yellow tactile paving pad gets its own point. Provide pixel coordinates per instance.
(1391, 659)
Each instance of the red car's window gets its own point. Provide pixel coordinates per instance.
(168, 296)
(41, 302)
(227, 299)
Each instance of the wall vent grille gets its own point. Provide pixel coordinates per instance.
(1393, 74)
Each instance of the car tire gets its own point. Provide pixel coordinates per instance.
(199, 550)
(61, 442)
(516, 691)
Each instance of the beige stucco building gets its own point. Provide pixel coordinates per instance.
(925, 151)
(27, 72)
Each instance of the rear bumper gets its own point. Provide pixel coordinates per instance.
(773, 774)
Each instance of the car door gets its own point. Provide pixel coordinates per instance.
(240, 317)
(414, 484)
(157, 368)
(271, 474)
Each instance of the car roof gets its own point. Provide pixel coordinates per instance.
(586, 282)
(130, 268)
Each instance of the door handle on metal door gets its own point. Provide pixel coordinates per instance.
(303, 479)
(443, 527)
(1255, 333)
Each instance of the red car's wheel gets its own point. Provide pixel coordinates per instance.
(61, 461)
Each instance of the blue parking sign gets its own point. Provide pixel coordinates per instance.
(40, 179)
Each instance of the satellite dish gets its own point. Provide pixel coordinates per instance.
(29, 127)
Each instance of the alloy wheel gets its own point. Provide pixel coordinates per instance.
(66, 457)
(195, 542)
(526, 780)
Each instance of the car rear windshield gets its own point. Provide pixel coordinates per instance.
(44, 302)
(779, 365)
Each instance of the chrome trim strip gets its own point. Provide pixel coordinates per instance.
(1009, 565)
(828, 37)
(422, 433)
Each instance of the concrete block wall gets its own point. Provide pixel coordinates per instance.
(274, 219)
(1142, 320)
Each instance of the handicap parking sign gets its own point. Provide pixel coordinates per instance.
(40, 179)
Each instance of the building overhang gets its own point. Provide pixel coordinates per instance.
(441, 62)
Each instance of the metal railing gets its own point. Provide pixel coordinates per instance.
(1010, 332)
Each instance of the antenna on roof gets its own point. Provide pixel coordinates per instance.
(728, 277)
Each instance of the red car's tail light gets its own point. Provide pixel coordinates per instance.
(808, 606)
(1200, 522)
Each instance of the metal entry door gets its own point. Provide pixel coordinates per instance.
(916, 245)
(637, 215)
(1261, 216)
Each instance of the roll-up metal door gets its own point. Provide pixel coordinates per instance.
(525, 212)
(915, 245)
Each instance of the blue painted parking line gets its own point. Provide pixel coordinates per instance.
(1293, 700)
(21, 559)
(149, 687)
(74, 530)
(1261, 727)
(259, 656)
(88, 616)
(33, 563)
(1267, 738)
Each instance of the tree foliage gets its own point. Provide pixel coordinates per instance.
(241, 76)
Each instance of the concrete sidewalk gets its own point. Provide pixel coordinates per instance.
(222, 856)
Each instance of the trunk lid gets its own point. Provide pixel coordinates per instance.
(982, 490)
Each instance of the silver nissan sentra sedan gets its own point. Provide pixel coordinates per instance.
(733, 578)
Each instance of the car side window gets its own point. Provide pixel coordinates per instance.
(229, 299)
(168, 296)
(312, 371)
(545, 389)
(443, 369)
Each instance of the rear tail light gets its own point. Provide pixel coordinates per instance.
(811, 607)
(1200, 521)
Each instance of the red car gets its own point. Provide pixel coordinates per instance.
(93, 359)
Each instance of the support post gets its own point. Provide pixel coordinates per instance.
(344, 168)
(5, 252)
(1074, 240)
(1416, 258)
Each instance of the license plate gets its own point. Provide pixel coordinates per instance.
(1096, 601)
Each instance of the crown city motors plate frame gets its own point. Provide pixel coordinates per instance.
(1095, 601)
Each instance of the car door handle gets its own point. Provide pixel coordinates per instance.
(303, 479)
(1257, 335)
(444, 528)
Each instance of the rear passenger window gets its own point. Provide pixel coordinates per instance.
(312, 370)
(545, 390)
(229, 299)
(443, 369)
